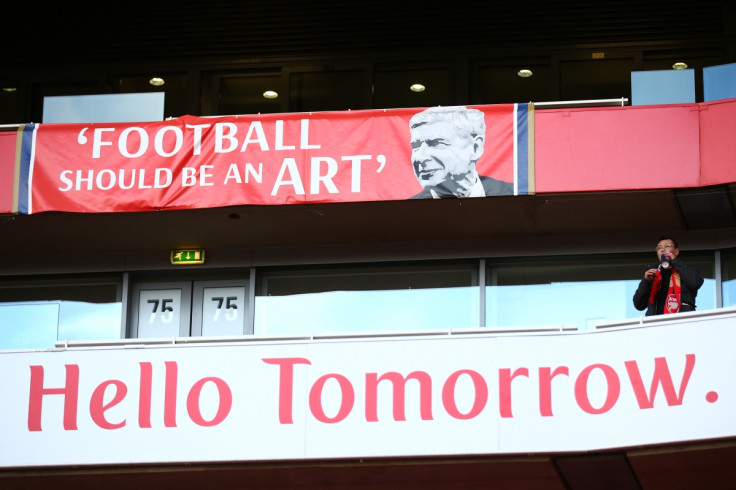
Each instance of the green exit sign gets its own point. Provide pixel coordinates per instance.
(187, 256)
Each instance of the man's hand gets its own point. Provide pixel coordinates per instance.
(649, 274)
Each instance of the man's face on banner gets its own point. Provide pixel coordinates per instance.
(440, 153)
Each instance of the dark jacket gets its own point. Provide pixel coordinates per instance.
(691, 280)
(491, 186)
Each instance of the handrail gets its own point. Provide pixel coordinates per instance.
(582, 103)
(144, 342)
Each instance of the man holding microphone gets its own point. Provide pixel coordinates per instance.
(671, 287)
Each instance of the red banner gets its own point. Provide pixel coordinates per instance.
(7, 172)
(194, 162)
(617, 148)
(717, 153)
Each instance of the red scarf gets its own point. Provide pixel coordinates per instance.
(672, 302)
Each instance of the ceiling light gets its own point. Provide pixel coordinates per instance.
(9, 89)
(156, 81)
(679, 65)
(417, 87)
(270, 94)
(525, 73)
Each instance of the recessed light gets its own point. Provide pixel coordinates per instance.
(679, 65)
(417, 87)
(156, 81)
(524, 73)
(270, 94)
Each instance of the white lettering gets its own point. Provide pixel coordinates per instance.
(255, 127)
(97, 141)
(142, 179)
(233, 173)
(305, 137)
(110, 179)
(280, 137)
(205, 174)
(356, 167)
(107, 179)
(250, 170)
(134, 142)
(122, 183)
(163, 178)
(325, 179)
(188, 176)
(197, 145)
(225, 137)
(289, 165)
(64, 177)
(123, 142)
(158, 142)
(81, 179)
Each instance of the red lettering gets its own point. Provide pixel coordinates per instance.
(97, 407)
(346, 403)
(613, 389)
(399, 386)
(144, 399)
(545, 388)
(504, 389)
(286, 384)
(37, 391)
(661, 377)
(481, 394)
(223, 408)
(172, 373)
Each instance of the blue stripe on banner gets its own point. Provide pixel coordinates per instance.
(522, 149)
(26, 151)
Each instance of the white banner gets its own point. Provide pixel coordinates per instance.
(459, 394)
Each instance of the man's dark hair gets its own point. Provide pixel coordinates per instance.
(665, 237)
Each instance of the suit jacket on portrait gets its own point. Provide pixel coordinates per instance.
(492, 187)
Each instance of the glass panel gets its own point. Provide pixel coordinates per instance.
(503, 85)
(391, 89)
(159, 313)
(580, 292)
(40, 91)
(550, 304)
(28, 325)
(89, 321)
(35, 314)
(728, 266)
(161, 309)
(221, 307)
(12, 103)
(327, 91)
(706, 299)
(596, 79)
(244, 94)
(695, 62)
(367, 299)
(174, 88)
(223, 311)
